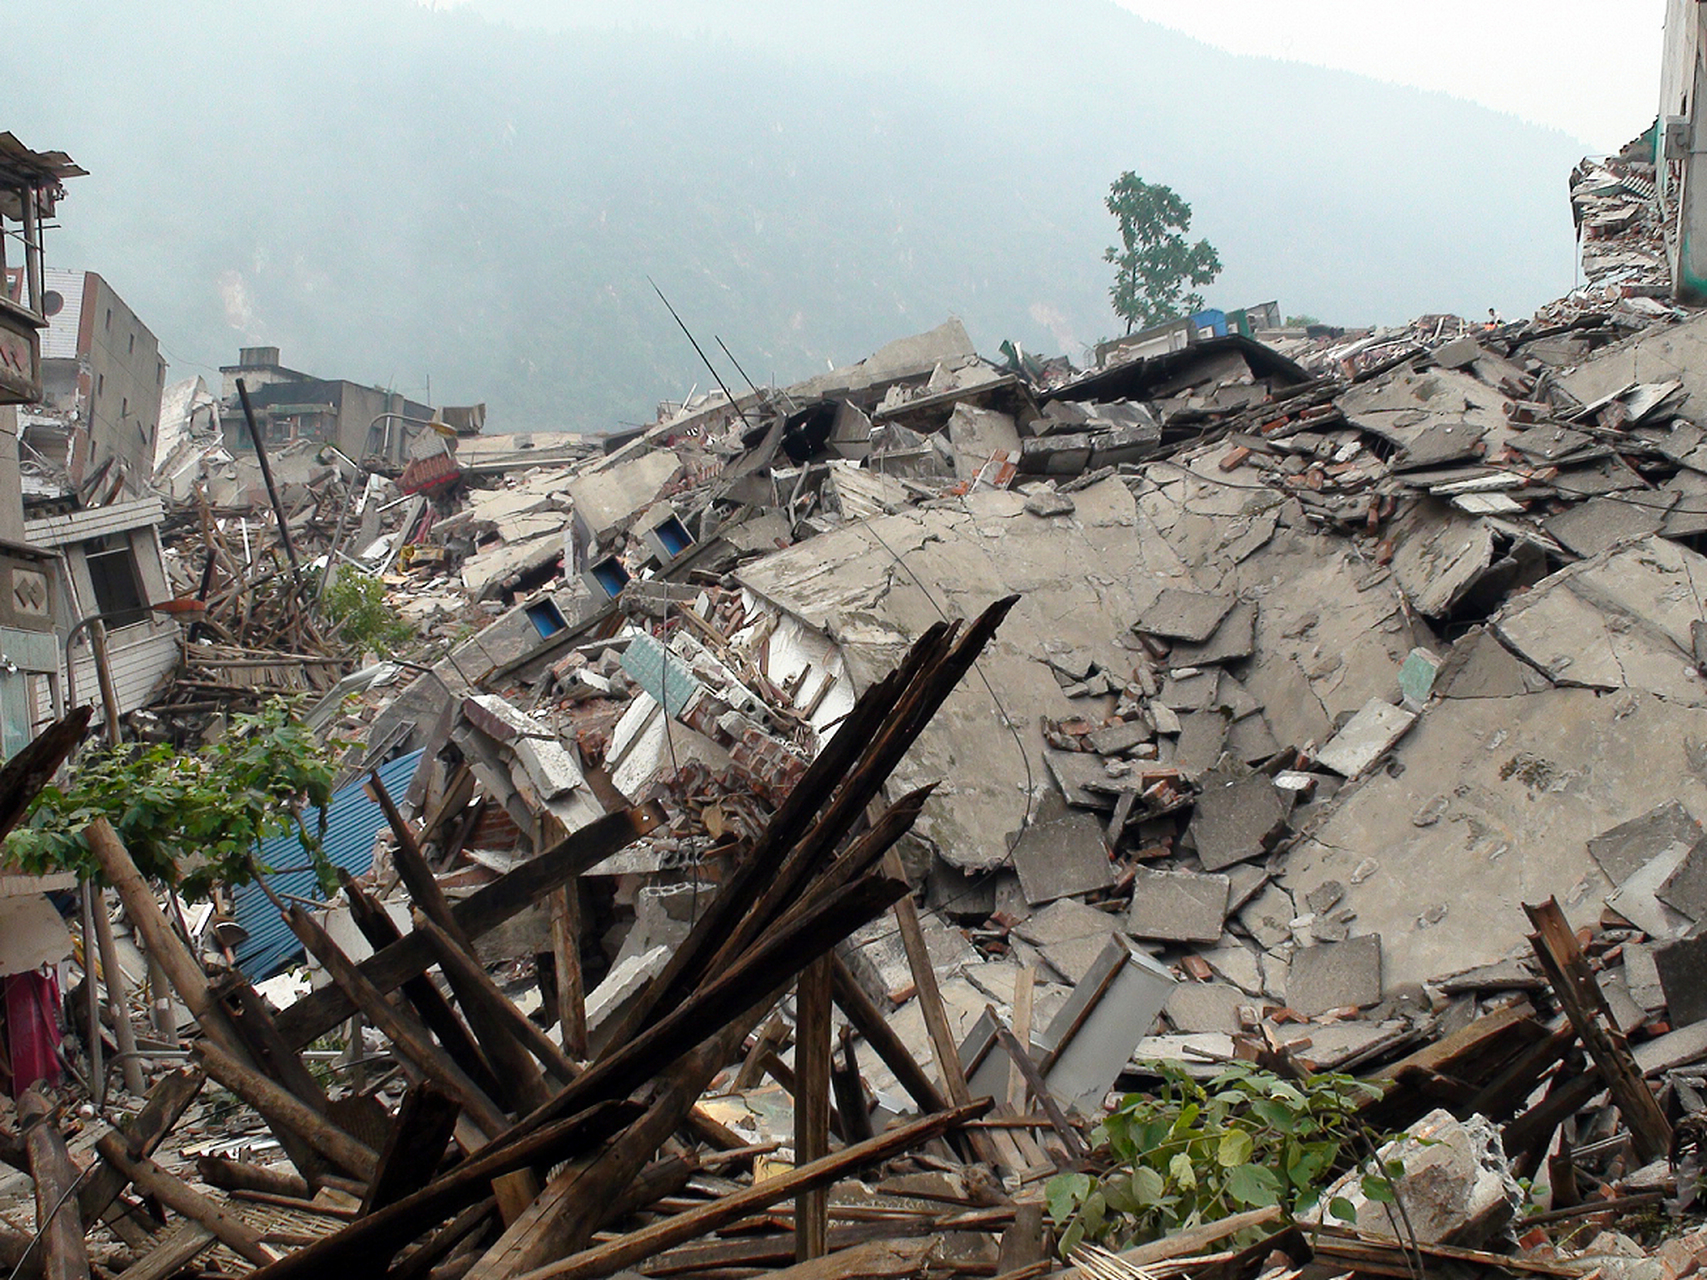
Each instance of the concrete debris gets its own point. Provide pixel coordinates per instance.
(1323, 656)
(1456, 1187)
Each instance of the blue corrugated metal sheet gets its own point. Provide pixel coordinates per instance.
(353, 819)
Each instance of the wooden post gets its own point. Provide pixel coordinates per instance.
(118, 1000)
(176, 1194)
(475, 985)
(517, 1073)
(566, 952)
(1025, 983)
(104, 676)
(943, 1044)
(58, 1222)
(407, 1035)
(812, 1104)
(92, 990)
(1574, 984)
(604, 1259)
(282, 1109)
(185, 975)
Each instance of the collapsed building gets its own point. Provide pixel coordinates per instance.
(895, 766)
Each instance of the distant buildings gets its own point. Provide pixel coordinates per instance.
(102, 376)
(362, 422)
(1174, 335)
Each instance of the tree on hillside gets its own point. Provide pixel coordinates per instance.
(1153, 264)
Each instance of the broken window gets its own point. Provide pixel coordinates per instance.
(119, 597)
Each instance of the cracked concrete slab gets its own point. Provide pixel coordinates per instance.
(1524, 779)
(875, 586)
(1177, 906)
(1619, 620)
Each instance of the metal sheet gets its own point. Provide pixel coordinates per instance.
(353, 819)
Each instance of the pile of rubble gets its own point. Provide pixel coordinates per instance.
(1335, 705)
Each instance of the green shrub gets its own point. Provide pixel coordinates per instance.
(1192, 1153)
(189, 819)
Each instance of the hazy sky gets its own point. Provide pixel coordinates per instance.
(1589, 67)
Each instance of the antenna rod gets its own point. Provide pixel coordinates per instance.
(735, 404)
(737, 364)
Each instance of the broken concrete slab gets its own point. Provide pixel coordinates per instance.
(1685, 889)
(1235, 963)
(1479, 666)
(1336, 975)
(1101, 1024)
(1062, 856)
(1268, 917)
(878, 958)
(608, 493)
(1619, 620)
(1636, 899)
(1630, 846)
(1642, 976)
(1077, 589)
(1602, 524)
(1184, 615)
(1439, 556)
(1206, 1006)
(621, 987)
(977, 435)
(1456, 1188)
(1682, 968)
(1234, 639)
(1236, 818)
(1070, 935)
(1526, 777)
(1365, 738)
(1120, 737)
(1177, 906)
(1202, 739)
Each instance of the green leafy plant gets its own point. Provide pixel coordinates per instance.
(358, 614)
(190, 820)
(1192, 1153)
(1153, 264)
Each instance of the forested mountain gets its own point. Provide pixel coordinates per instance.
(391, 193)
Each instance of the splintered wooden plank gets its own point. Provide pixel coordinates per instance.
(479, 913)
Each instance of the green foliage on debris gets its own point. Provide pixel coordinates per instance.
(1193, 1152)
(191, 820)
(358, 615)
(1153, 264)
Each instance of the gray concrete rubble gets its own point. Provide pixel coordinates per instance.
(1328, 657)
(1289, 673)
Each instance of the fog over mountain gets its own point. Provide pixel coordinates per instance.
(477, 195)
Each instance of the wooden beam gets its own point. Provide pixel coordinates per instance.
(420, 1134)
(472, 982)
(173, 954)
(945, 1048)
(1023, 1064)
(143, 1132)
(176, 1194)
(571, 985)
(518, 1075)
(1574, 984)
(812, 1103)
(59, 1227)
(482, 911)
(602, 1260)
(368, 1244)
(407, 1035)
(174, 1252)
(869, 1021)
(283, 1110)
(424, 997)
